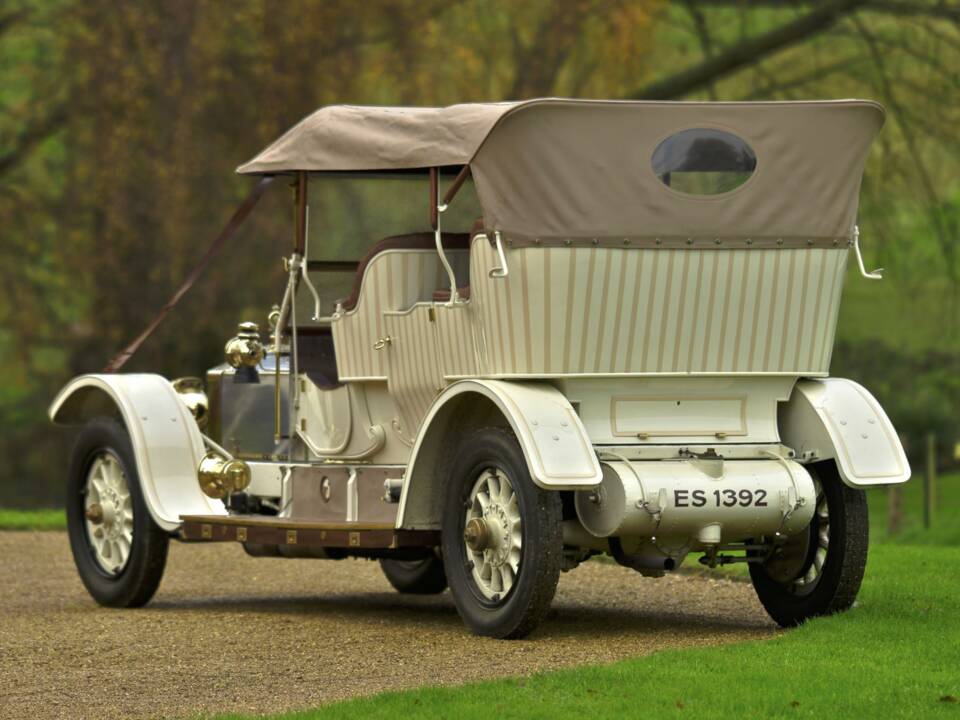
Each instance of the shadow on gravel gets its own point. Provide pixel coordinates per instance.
(565, 620)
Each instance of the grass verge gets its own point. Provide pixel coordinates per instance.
(895, 655)
(33, 520)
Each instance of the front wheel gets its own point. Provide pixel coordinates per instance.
(502, 543)
(818, 571)
(119, 551)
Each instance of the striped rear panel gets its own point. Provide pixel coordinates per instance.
(611, 310)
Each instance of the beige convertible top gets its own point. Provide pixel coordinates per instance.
(377, 138)
(554, 168)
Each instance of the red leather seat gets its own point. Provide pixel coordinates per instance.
(444, 295)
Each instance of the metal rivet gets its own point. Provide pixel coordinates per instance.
(595, 241)
(567, 241)
(749, 241)
(779, 241)
(658, 241)
(689, 241)
(717, 240)
(536, 241)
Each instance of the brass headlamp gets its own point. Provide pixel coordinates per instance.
(220, 477)
(190, 391)
(244, 352)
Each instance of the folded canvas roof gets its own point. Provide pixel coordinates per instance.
(555, 168)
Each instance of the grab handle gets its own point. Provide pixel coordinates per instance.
(876, 274)
(503, 270)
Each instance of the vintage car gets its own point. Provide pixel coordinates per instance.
(515, 336)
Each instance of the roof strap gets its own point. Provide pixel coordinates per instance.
(239, 215)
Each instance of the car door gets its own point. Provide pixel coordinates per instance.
(414, 375)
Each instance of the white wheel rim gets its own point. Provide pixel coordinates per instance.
(809, 580)
(494, 501)
(108, 513)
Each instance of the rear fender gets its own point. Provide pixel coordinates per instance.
(555, 444)
(167, 444)
(834, 418)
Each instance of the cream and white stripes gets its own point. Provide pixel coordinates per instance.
(394, 281)
(414, 375)
(612, 311)
(590, 311)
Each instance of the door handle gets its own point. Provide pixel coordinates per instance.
(382, 343)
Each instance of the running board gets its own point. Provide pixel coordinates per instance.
(264, 530)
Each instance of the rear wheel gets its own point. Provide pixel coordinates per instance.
(502, 543)
(119, 551)
(819, 571)
(416, 577)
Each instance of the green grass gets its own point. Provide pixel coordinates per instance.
(896, 654)
(32, 520)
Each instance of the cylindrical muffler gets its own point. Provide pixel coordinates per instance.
(707, 501)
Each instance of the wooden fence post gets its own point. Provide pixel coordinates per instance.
(894, 510)
(930, 481)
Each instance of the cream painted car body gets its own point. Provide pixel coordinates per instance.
(652, 363)
(837, 419)
(167, 444)
(566, 386)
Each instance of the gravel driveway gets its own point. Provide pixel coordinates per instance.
(231, 633)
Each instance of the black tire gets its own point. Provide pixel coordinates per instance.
(416, 577)
(527, 601)
(137, 581)
(835, 588)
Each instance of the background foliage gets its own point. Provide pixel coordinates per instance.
(121, 124)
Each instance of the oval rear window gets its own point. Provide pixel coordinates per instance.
(703, 161)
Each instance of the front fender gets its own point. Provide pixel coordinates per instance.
(834, 418)
(555, 444)
(167, 444)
